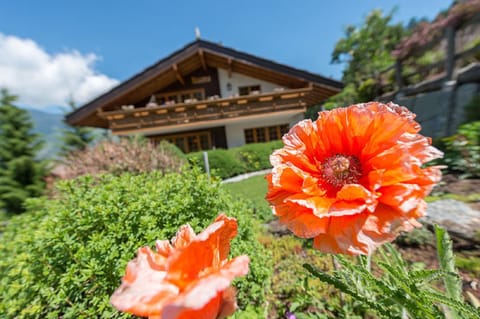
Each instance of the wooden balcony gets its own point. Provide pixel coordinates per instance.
(130, 120)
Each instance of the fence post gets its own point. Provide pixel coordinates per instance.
(207, 165)
(450, 54)
(398, 74)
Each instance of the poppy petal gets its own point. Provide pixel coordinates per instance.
(198, 297)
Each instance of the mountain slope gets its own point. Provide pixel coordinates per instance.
(49, 126)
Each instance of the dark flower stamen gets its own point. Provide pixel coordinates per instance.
(340, 169)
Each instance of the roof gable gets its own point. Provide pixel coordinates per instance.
(194, 55)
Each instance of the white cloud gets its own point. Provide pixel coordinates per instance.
(41, 79)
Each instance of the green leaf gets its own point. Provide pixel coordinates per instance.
(453, 284)
(467, 311)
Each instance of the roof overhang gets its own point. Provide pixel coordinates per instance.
(198, 54)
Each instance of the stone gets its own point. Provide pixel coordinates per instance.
(456, 217)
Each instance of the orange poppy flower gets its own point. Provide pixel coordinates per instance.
(353, 179)
(189, 279)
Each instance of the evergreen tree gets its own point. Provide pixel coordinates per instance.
(76, 137)
(21, 174)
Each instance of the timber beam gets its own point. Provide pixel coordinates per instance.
(177, 74)
(202, 59)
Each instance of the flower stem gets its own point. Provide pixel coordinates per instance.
(369, 261)
(336, 266)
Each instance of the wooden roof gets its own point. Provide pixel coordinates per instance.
(195, 55)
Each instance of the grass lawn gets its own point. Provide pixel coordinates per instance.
(253, 189)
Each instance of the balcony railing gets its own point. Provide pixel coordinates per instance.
(205, 110)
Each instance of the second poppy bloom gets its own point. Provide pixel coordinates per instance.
(354, 178)
(189, 279)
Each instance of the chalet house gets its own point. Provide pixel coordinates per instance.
(206, 96)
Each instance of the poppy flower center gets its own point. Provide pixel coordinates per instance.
(340, 169)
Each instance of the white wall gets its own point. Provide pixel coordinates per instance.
(238, 79)
(236, 136)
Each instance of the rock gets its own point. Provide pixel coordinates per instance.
(456, 217)
(276, 228)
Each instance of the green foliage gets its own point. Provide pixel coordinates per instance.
(253, 190)
(173, 150)
(415, 238)
(453, 283)
(469, 263)
(249, 313)
(291, 289)
(65, 256)
(470, 198)
(366, 48)
(76, 138)
(472, 109)
(238, 160)
(430, 57)
(312, 111)
(401, 288)
(462, 150)
(256, 156)
(222, 162)
(475, 42)
(471, 44)
(348, 96)
(21, 175)
(367, 90)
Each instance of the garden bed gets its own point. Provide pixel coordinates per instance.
(419, 248)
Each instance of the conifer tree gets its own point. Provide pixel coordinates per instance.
(21, 174)
(76, 137)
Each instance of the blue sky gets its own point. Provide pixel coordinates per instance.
(88, 46)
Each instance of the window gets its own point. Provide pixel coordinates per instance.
(265, 134)
(180, 96)
(189, 142)
(247, 90)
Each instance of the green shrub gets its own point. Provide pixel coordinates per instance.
(172, 150)
(243, 159)
(222, 162)
(462, 150)
(256, 156)
(65, 256)
(367, 90)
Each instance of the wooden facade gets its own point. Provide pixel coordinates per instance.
(183, 98)
(146, 118)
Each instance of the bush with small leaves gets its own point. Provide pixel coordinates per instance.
(65, 256)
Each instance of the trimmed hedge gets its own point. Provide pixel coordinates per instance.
(65, 256)
(238, 160)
